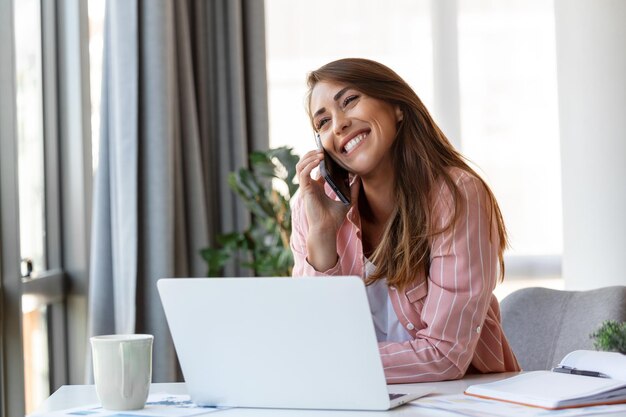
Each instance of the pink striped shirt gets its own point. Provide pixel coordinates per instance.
(452, 315)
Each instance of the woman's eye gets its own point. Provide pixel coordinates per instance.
(349, 99)
(321, 123)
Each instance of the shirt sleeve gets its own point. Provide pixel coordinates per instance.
(299, 232)
(461, 279)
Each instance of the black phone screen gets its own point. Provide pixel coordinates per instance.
(335, 175)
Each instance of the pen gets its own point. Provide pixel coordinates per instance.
(574, 371)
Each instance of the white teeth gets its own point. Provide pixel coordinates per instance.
(355, 141)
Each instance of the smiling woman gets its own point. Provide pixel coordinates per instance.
(423, 230)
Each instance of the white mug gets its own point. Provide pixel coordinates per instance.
(122, 368)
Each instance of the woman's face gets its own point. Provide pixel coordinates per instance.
(355, 129)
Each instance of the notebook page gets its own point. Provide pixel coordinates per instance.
(544, 388)
(612, 364)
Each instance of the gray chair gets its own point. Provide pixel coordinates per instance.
(543, 325)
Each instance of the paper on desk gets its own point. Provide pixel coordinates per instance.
(158, 405)
(612, 364)
(476, 407)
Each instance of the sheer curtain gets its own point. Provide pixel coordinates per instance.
(183, 102)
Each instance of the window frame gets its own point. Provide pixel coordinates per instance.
(63, 287)
(11, 363)
(54, 288)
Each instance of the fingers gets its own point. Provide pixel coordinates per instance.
(305, 166)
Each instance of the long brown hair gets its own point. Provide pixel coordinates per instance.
(420, 148)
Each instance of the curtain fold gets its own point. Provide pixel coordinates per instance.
(183, 103)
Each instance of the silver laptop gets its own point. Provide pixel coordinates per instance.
(277, 343)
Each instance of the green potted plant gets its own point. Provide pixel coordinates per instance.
(266, 189)
(611, 336)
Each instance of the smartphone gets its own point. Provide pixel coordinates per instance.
(335, 175)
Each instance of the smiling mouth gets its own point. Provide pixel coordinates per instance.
(355, 141)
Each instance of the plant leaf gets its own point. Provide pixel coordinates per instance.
(264, 245)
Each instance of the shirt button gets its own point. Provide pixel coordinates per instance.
(410, 326)
(478, 329)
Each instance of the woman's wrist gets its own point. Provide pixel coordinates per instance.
(322, 249)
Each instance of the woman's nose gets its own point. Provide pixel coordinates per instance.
(340, 123)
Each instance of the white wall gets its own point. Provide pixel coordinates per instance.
(591, 66)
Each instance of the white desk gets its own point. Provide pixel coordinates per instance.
(69, 396)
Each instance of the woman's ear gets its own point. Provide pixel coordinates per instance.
(399, 114)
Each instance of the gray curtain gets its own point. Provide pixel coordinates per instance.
(183, 103)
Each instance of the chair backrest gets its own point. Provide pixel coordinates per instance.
(543, 325)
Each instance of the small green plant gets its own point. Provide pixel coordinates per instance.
(611, 336)
(266, 189)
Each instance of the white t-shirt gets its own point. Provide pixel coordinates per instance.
(388, 327)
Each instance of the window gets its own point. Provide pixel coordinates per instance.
(31, 184)
(41, 124)
(28, 56)
(510, 116)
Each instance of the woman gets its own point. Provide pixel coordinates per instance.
(422, 229)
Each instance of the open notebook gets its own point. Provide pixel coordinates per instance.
(583, 378)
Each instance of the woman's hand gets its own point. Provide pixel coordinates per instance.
(323, 214)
